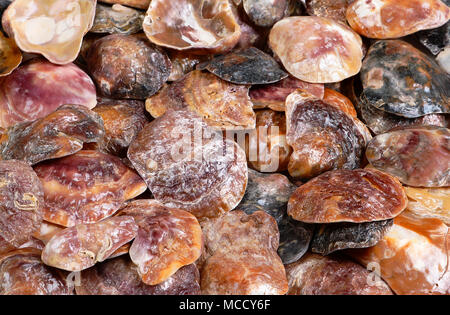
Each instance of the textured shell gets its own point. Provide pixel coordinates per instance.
(421, 86)
(265, 13)
(139, 4)
(67, 21)
(127, 66)
(316, 49)
(436, 40)
(82, 246)
(248, 66)
(38, 87)
(333, 9)
(21, 202)
(322, 136)
(117, 19)
(206, 25)
(58, 134)
(317, 275)
(86, 187)
(221, 104)
(340, 101)
(206, 177)
(10, 55)
(413, 256)
(429, 202)
(417, 156)
(384, 19)
(348, 196)
(167, 240)
(241, 255)
(119, 277)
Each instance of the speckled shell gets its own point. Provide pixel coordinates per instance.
(421, 86)
(204, 26)
(334, 275)
(384, 19)
(316, 49)
(348, 196)
(10, 55)
(119, 277)
(265, 13)
(117, 19)
(249, 66)
(429, 202)
(417, 156)
(221, 104)
(413, 256)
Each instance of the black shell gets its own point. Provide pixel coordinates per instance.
(337, 236)
(295, 237)
(437, 39)
(399, 79)
(249, 66)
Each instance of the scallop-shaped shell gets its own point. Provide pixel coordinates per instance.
(417, 156)
(117, 20)
(421, 86)
(384, 19)
(202, 25)
(316, 49)
(10, 55)
(53, 28)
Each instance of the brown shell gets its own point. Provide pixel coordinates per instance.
(46, 231)
(54, 28)
(395, 18)
(206, 177)
(340, 101)
(273, 96)
(123, 120)
(119, 277)
(58, 134)
(127, 66)
(167, 240)
(241, 255)
(417, 156)
(86, 187)
(248, 66)
(421, 86)
(23, 273)
(10, 55)
(38, 87)
(21, 202)
(361, 195)
(412, 257)
(265, 13)
(184, 62)
(322, 136)
(222, 104)
(117, 19)
(333, 9)
(316, 49)
(333, 275)
(82, 246)
(200, 25)
(266, 146)
(429, 202)
(139, 4)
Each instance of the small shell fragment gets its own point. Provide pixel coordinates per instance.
(316, 49)
(10, 55)
(53, 28)
(117, 20)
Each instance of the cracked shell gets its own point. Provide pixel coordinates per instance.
(53, 28)
(316, 49)
(421, 86)
(361, 195)
(82, 246)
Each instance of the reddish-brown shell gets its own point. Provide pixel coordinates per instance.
(10, 55)
(241, 255)
(53, 28)
(201, 25)
(417, 156)
(23, 273)
(413, 257)
(37, 88)
(189, 166)
(119, 277)
(167, 240)
(396, 18)
(316, 49)
(86, 187)
(82, 246)
(317, 275)
(361, 195)
(222, 104)
(21, 202)
(58, 134)
(340, 101)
